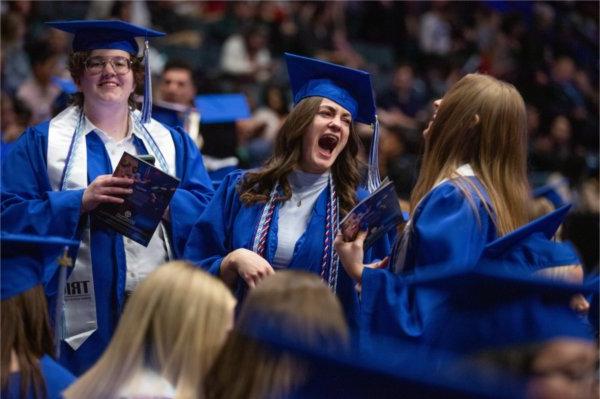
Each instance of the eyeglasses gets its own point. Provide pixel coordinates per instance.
(95, 65)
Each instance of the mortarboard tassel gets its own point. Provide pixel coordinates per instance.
(374, 180)
(63, 263)
(147, 103)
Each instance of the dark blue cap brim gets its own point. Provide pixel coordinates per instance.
(386, 368)
(485, 308)
(222, 108)
(104, 34)
(24, 258)
(489, 278)
(550, 193)
(547, 225)
(350, 88)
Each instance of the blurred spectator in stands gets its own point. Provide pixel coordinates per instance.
(271, 14)
(398, 161)
(566, 97)
(132, 11)
(14, 118)
(404, 100)
(15, 60)
(435, 32)
(176, 93)
(246, 56)
(38, 92)
(257, 134)
(555, 151)
(177, 83)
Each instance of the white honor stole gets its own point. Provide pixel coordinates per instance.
(67, 170)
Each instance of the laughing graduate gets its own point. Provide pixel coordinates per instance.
(285, 214)
(61, 170)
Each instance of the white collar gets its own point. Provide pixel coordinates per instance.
(300, 180)
(88, 127)
(465, 170)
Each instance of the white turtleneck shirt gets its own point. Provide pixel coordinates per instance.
(295, 213)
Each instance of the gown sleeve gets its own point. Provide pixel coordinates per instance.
(210, 237)
(194, 192)
(447, 230)
(28, 204)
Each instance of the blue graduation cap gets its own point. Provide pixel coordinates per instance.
(113, 35)
(350, 88)
(384, 370)
(530, 245)
(24, 258)
(488, 308)
(104, 34)
(66, 85)
(222, 108)
(551, 194)
(218, 112)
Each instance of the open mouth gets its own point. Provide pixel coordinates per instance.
(328, 142)
(109, 83)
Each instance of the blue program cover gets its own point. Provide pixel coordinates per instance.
(377, 214)
(138, 217)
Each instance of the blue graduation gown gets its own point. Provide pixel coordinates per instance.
(29, 205)
(227, 224)
(56, 377)
(446, 229)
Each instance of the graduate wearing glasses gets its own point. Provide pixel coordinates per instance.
(285, 214)
(61, 170)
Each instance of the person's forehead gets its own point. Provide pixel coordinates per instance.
(109, 53)
(330, 103)
(178, 73)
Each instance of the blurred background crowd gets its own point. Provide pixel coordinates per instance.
(414, 50)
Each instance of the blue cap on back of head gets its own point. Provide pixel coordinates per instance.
(24, 258)
(490, 309)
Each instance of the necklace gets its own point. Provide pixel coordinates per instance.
(329, 259)
(300, 198)
(303, 189)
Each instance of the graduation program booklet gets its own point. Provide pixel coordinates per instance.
(140, 214)
(378, 213)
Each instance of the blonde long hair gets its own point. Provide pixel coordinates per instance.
(296, 305)
(482, 122)
(175, 324)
